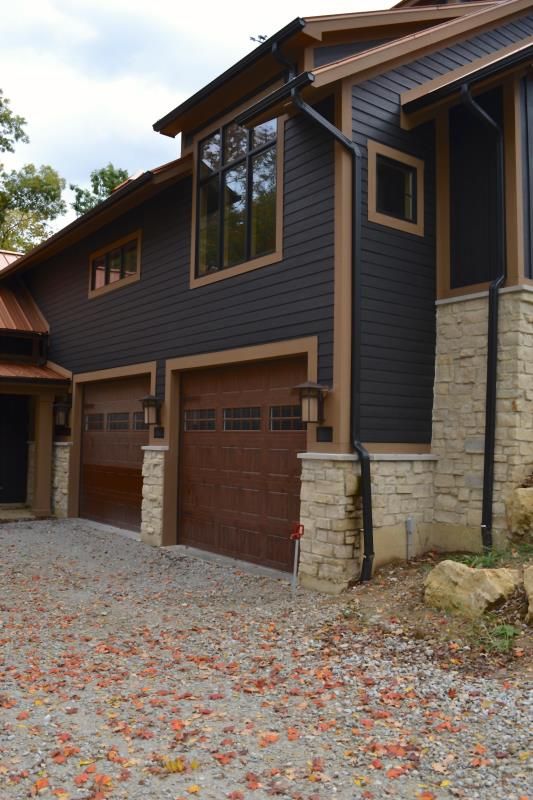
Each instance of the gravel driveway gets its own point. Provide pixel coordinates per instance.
(130, 672)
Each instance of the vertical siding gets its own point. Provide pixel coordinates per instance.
(398, 269)
(160, 317)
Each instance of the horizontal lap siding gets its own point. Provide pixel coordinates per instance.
(398, 269)
(160, 317)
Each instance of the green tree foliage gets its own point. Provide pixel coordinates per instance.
(30, 198)
(11, 127)
(103, 181)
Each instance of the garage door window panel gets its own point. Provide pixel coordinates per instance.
(286, 418)
(242, 419)
(94, 422)
(119, 421)
(199, 419)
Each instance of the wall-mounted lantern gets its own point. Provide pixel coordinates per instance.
(151, 406)
(312, 400)
(62, 406)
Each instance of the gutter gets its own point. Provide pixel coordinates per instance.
(291, 89)
(493, 321)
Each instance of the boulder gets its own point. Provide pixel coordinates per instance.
(520, 514)
(455, 587)
(528, 586)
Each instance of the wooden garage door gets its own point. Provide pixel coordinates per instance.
(241, 432)
(111, 463)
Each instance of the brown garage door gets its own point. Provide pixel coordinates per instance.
(239, 472)
(111, 463)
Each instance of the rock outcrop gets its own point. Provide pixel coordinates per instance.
(455, 587)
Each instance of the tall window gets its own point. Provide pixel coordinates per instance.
(236, 196)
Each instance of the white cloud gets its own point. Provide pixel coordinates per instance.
(92, 77)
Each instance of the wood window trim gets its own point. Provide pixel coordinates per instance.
(514, 200)
(376, 149)
(256, 263)
(110, 287)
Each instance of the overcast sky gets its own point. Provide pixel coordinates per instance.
(92, 76)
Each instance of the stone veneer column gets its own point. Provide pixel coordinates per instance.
(60, 478)
(330, 547)
(459, 411)
(152, 503)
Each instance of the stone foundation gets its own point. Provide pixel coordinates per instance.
(152, 502)
(60, 478)
(459, 412)
(330, 547)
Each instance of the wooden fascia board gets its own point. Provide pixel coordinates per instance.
(316, 27)
(387, 54)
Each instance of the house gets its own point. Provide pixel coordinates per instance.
(325, 302)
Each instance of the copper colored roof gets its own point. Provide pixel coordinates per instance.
(11, 371)
(18, 311)
(7, 257)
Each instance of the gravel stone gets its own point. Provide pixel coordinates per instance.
(132, 672)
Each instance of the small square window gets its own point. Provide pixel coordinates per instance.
(115, 265)
(395, 189)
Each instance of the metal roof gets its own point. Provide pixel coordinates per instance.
(29, 373)
(7, 257)
(18, 311)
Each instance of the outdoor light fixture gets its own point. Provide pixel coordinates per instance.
(312, 401)
(62, 406)
(151, 405)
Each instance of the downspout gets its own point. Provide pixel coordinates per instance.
(493, 321)
(355, 412)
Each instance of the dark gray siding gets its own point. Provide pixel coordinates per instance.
(160, 317)
(398, 269)
(527, 144)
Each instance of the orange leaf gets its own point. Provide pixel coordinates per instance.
(480, 749)
(102, 780)
(268, 738)
(23, 715)
(394, 772)
(41, 784)
(81, 779)
(293, 734)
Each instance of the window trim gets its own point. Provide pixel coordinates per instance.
(110, 287)
(375, 149)
(255, 263)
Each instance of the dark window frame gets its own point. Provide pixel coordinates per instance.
(379, 217)
(407, 170)
(220, 172)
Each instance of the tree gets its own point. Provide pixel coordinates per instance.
(30, 197)
(103, 181)
(11, 127)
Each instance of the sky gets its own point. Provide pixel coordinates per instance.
(92, 76)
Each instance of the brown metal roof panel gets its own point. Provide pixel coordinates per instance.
(12, 371)
(18, 311)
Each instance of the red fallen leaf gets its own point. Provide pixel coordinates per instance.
(114, 756)
(177, 724)
(91, 768)
(326, 726)
(480, 762)
(125, 775)
(367, 723)
(39, 785)
(317, 764)
(236, 795)
(252, 781)
(224, 758)
(59, 758)
(395, 772)
(480, 749)
(102, 780)
(23, 715)
(376, 764)
(79, 780)
(369, 681)
(268, 738)
(64, 737)
(216, 696)
(293, 734)
(452, 693)
(427, 796)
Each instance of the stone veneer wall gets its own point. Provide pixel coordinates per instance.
(331, 548)
(459, 412)
(60, 477)
(152, 502)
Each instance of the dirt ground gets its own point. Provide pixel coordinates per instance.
(393, 603)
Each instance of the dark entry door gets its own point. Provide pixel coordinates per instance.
(241, 433)
(13, 448)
